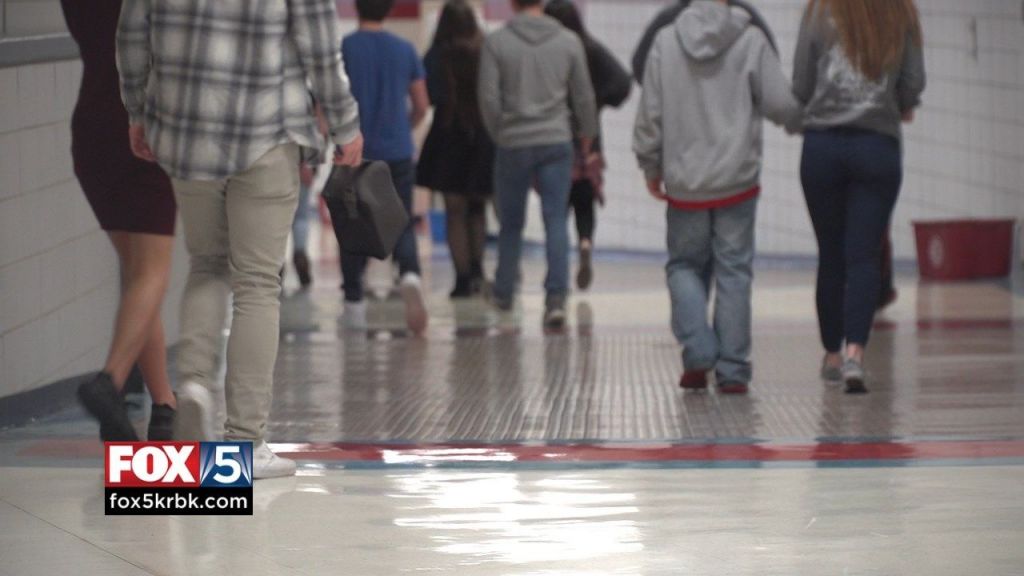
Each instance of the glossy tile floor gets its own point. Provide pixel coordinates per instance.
(490, 447)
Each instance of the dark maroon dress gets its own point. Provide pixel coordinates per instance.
(127, 194)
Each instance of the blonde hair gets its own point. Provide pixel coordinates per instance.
(873, 32)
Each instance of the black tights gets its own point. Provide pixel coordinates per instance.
(467, 233)
(582, 200)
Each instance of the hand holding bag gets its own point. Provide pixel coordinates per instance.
(367, 214)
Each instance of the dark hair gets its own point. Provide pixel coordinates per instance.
(457, 43)
(374, 10)
(528, 3)
(566, 12)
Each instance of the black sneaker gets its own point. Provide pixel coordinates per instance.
(302, 268)
(161, 423)
(502, 304)
(585, 275)
(101, 399)
(463, 288)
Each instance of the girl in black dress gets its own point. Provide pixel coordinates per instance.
(134, 203)
(458, 156)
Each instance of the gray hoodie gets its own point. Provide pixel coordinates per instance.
(534, 85)
(709, 81)
(838, 95)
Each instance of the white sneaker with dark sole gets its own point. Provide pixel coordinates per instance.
(415, 307)
(353, 316)
(831, 374)
(854, 377)
(266, 464)
(193, 421)
(555, 317)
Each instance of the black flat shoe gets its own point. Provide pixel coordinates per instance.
(463, 289)
(302, 268)
(101, 399)
(161, 423)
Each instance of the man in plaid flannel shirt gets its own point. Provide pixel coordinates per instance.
(217, 92)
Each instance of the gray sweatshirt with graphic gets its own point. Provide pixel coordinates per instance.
(535, 86)
(710, 80)
(836, 94)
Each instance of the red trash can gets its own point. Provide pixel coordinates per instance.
(964, 249)
(994, 253)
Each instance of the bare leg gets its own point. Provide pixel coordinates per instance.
(153, 364)
(138, 333)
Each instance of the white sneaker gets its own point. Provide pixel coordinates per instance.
(266, 464)
(415, 306)
(193, 421)
(354, 316)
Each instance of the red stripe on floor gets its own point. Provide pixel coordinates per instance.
(611, 452)
(653, 453)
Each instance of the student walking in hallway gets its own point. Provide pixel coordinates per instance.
(216, 94)
(458, 155)
(134, 203)
(612, 85)
(859, 69)
(387, 75)
(710, 81)
(536, 97)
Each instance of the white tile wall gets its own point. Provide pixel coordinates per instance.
(33, 17)
(964, 154)
(964, 158)
(58, 272)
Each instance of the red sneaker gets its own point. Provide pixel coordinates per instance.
(695, 380)
(733, 388)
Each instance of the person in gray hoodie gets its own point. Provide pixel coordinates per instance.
(535, 97)
(709, 81)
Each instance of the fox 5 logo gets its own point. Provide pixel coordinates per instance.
(225, 465)
(178, 464)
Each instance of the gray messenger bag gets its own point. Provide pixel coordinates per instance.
(366, 212)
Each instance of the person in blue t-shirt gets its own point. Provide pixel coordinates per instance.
(386, 74)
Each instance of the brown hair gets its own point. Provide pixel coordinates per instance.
(873, 32)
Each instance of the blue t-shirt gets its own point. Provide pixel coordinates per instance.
(381, 67)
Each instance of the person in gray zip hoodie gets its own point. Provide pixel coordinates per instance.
(535, 97)
(709, 81)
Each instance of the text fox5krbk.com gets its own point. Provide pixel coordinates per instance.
(179, 478)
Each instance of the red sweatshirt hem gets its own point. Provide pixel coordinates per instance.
(713, 204)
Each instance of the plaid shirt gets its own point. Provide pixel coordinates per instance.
(219, 83)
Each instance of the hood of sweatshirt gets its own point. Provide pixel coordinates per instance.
(535, 30)
(708, 28)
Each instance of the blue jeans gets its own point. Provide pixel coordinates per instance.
(406, 255)
(549, 168)
(706, 245)
(300, 225)
(851, 180)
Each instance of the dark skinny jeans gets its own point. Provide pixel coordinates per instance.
(851, 179)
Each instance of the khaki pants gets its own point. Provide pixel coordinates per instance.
(236, 231)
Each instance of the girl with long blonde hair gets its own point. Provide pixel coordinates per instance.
(859, 71)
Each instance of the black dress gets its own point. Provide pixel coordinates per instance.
(125, 193)
(456, 159)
